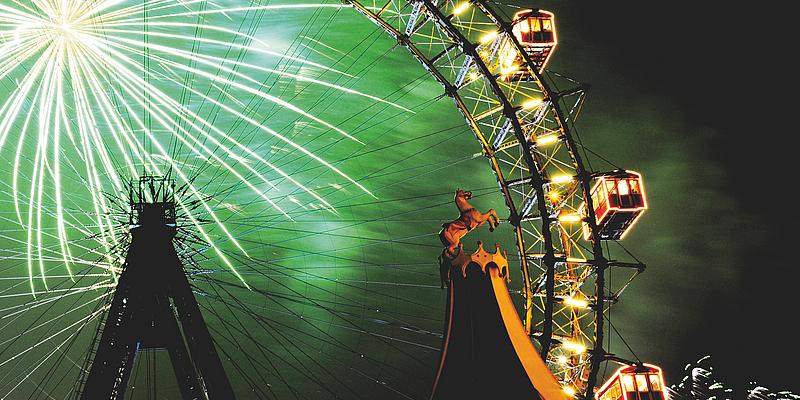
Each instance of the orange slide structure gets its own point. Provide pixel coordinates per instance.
(486, 353)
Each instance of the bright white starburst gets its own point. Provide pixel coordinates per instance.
(97, 89)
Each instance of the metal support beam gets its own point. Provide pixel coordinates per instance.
(154, 308)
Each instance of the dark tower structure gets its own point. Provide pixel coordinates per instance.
(154, 308)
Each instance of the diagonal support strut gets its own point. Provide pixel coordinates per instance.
(154, 308)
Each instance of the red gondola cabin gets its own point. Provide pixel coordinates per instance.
(535, 30)
(619, 201)
(637, 382)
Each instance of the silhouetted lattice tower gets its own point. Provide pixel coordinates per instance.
(154, 308)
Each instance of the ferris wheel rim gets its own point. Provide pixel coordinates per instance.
(537, 180)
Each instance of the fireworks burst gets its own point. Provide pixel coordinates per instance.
(110, 90)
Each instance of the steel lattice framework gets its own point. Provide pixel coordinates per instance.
(524, 129)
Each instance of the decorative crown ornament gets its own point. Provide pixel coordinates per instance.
(483, 259)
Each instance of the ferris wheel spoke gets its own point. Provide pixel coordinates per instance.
(290, 344)
(300, 366)
(346, 319)
(24, 376)
(325, 337)
(298, 275)
(232, 332)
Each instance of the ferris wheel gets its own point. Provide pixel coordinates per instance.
(305, 281)
(494, 69)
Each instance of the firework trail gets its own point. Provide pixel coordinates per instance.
(108, 91)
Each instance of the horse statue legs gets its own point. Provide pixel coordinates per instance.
(490, 216)
(445, 262)
(444, 269)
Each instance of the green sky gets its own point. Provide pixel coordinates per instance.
(375, 261)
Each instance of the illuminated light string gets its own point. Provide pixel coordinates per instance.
(80, 87)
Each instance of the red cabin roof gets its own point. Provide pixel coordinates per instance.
(535, 32)
(634, 382)
(532, 13)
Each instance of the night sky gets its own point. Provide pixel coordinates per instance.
(692, 96)
(698, 90)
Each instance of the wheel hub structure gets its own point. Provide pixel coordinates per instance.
(523, 122)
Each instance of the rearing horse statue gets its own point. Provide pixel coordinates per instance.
(467, 221)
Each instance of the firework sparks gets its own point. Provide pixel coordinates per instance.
(101, 91)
